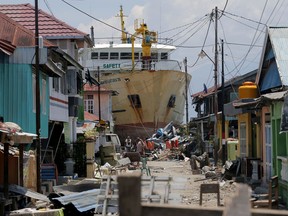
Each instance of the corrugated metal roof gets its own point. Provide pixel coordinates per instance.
(82, 201)
(49, 26)
(279, 41)
(12, 34)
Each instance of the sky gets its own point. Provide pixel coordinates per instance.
(189, 24)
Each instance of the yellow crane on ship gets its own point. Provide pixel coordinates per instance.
(148, 37)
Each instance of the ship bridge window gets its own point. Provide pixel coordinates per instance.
(164, 55)
(135, 101)
(104, 55)
(125, 55)
(136, 56)
(154, 56)
(94, 55)
(114, 55)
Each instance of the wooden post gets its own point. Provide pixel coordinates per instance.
(130, 194)
(21, 149)
(6, 169)
(239, 205)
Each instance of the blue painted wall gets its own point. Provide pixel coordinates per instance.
(16, 97)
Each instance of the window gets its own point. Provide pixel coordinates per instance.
(135, 101)
(125, 55)
(43, 96)
(172, 100)
(63, 84)
(94, 55)
(89, 104)
(104, 55)
(242, 139)
(55, 84)
(164, 55)
(136, 56)
(154, 56)
(114, 55)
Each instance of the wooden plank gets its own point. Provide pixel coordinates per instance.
(6, 169)
(172, 210)
(106, 196)
(130, 194)
(151, 188)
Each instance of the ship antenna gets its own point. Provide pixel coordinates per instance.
(124, 34)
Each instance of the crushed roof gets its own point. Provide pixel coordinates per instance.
(49, 25)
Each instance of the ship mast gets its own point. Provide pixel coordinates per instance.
(124, 35)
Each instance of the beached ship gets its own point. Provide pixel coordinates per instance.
(150, 87)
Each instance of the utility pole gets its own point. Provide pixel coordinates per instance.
(99, 102)
(222, 105)
(38, 122)
(186, 94)
(216, 87)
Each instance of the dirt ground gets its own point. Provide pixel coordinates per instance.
(185, 186)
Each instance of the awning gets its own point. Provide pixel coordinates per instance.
(15, 134)
(67, 57)
(50, 65)
(260, 101)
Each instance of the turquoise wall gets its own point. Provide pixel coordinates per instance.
(16, 97)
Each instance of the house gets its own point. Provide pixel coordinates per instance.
(204, 106)
(273, 84)
(262, 120)
(17, 81)
(103, 108)
(65, 100)
(17, 77)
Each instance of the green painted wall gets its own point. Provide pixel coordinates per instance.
(16, 97)
(280, 147)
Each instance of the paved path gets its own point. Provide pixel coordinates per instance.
(184, 189)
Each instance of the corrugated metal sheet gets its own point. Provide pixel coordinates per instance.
(279, 41)
(16, 97)
(82, 201)
(26, 55)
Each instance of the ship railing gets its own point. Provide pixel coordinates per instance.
(154, 66)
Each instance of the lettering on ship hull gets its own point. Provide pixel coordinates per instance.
(109, 66)
(110, 81)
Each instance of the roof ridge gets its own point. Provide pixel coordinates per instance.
(60, 21)
(47, 15)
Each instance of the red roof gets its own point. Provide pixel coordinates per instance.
(93, 88)
(49, 25)
(90, 117)
(12, 34)
(203, 93)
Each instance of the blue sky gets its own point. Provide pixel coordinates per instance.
(241, 26)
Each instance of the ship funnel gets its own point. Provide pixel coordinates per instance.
(92, 34)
